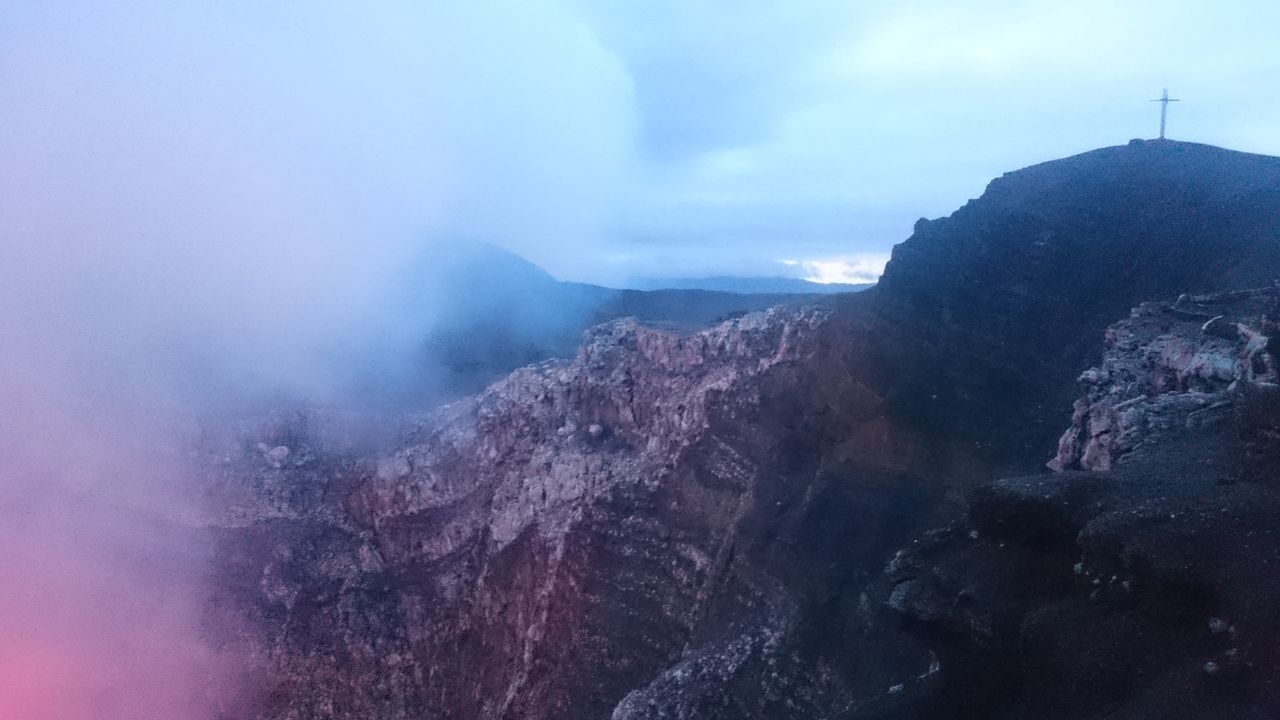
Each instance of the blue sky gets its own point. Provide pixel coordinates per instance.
(602, 139)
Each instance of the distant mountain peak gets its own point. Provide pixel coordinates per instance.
(747, 285)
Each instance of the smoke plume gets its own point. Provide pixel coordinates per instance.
(205, 204)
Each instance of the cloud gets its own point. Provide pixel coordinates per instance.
(714, 75)
(861, 268)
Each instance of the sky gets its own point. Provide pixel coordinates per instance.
(601, 139)
(197, 200)
(819, 131)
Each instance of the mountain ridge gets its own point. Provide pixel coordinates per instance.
(477, 311)
(747, 285)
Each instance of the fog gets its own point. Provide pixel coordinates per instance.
(201, 206)
(230, 188)
(102, 569)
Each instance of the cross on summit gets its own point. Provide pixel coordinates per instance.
(1164, 101)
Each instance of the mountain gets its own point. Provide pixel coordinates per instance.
(748, 285)
(835, 510)
(479, 312)
(992, 306)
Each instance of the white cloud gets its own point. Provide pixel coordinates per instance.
(859, 268)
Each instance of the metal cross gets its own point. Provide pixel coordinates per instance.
(1164, 101)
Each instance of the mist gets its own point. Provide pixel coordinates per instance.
(202, 207)
(232, 188)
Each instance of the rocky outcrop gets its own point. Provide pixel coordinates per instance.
(1169, 369)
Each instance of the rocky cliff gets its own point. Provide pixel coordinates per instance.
(698, 526)
(567, 535)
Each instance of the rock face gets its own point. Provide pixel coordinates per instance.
(698, 526)
(1170, 367)
(1149, 590)
(567, 535)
